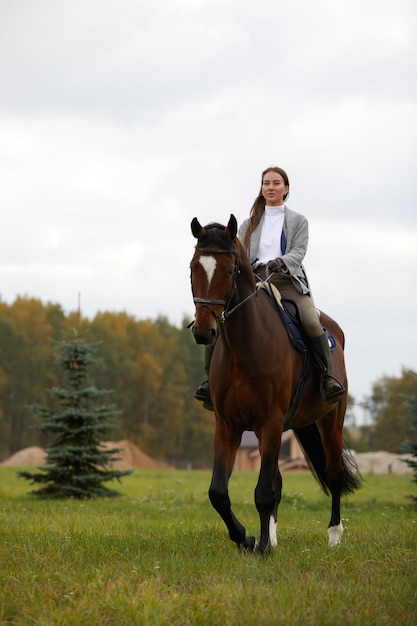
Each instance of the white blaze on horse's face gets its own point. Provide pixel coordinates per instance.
(209, 263)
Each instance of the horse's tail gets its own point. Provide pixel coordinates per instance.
(312, 445)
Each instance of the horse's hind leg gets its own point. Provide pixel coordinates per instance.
(225, 448)
(341, 478)
(335, 528)
(332, 440)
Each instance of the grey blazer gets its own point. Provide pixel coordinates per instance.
(296, 235)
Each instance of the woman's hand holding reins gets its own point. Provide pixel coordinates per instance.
(277, 265)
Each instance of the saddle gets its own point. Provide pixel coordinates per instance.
(291, 317)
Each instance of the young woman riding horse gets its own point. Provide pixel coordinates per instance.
(254, 380)
(276, 239)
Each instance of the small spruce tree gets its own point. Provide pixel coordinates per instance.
(77, 465)
(410, 446)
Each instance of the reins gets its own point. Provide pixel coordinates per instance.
(226, 314)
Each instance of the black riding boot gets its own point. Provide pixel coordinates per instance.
(202, 392)
(330, 388)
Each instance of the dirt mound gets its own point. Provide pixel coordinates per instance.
(131, 457)
(382, 463)
(28, 456)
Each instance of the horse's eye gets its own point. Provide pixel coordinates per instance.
(229, 272)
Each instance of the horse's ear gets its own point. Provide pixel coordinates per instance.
(232, 227)
(196, 228)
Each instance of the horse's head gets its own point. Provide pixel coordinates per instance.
(214, 270)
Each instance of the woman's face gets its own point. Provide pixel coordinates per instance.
(274, 188)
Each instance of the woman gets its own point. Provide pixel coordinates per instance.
(276, 239)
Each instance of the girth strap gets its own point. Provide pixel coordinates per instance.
(298, 393)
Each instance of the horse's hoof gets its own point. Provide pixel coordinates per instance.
(249, 545)
(264, 549)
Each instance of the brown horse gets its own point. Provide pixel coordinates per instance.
(254, 381)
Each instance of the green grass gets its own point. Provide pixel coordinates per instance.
(160, 555)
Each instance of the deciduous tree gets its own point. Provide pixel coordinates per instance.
(388, 409)
(410, 444)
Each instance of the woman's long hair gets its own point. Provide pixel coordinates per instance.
(258, 206)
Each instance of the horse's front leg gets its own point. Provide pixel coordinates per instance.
(267, 497)
(226, 444)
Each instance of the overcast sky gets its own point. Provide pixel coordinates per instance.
(121, 120)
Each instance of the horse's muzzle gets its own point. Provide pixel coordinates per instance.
(206, 338)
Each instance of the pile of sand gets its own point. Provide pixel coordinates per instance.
(28, 456)
(131, 457)
(382, 463)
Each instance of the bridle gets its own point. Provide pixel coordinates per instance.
(206, 302)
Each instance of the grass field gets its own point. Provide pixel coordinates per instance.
(160, 555)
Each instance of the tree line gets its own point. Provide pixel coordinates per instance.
(153, 369)
(388, 420)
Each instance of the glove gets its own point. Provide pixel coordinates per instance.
(277, 265)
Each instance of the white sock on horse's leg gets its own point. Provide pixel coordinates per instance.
(335, 534)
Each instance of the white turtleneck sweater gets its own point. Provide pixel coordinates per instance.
(270, 243)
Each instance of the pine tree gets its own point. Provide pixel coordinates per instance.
(410, 446)
(76, 463)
